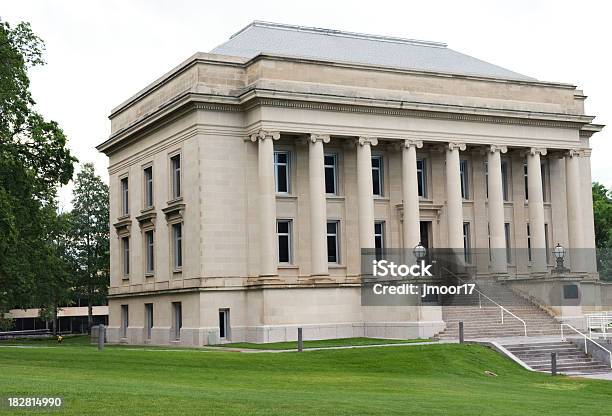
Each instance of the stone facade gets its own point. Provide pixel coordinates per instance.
(224, 117)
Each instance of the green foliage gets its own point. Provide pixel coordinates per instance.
(34, 161)
(602, 211)
(88, 251)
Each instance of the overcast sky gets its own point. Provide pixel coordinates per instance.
(100, 53)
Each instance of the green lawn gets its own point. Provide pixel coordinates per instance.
(341, 342)
(444, 379)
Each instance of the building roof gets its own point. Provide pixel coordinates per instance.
(334, 45)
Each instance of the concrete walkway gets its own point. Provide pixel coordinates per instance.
(343, 347)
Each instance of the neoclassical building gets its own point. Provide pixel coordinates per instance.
(245, 181)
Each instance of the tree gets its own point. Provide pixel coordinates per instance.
(602, 212)
(34, 161)
(89, 234)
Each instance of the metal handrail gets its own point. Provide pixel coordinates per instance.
(490, 300)
(586, 339)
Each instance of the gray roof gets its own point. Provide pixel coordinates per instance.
(333, 45)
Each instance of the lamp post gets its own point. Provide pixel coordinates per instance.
(559, 253)
(419, 252)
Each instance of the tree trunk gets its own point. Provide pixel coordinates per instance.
(54, 320)
(89, 315)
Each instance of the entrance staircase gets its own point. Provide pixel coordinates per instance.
(570, 359)
(482, 320)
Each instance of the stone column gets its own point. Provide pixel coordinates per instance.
(364, 190)
(410, 194)
(574, 210)
(318, 205)
(497, 235)
(536, 210)
(267, 203)
(454, 204)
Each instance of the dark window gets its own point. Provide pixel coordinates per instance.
(379, 238)
(150, 251)
(526, 181)
(149, 319)
(125, 320)
(332, 242)
(465, 184)
(281, 171)
(467, 244)
(508, 242)
(528, 242)
(283, 229)
(148, 186)
(504, 172)
(177, 237)
(175, 166)
(177, 324)
(125, 242)
(223, 323)
(377, 175)
(125, 196)
(331, 174)
(421, 178)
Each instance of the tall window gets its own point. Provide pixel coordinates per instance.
(331, 174)
(175, 168)
(422, 178)
(177, 245)
(546, 243)
(150, 251)
(508, 242)
(148, 187)
(379, 238)
(177, 319)
(148, 319)
(467, 242)
(125, 320)
(125, 196)
(125, 247)
(281, 172)
(528, 242)
(284, 230)
(463, 171)
(526, 180)
(224, 325)
(504, 173)
(543, 170)
(377, 175)
(333, 243)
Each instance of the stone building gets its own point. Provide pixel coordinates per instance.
(245, 181)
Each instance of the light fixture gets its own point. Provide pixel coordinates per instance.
(419, 251)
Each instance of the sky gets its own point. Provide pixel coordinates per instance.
(99, 53)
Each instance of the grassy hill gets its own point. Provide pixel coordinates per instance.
(418, 380)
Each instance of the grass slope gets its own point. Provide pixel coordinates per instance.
(417, 380)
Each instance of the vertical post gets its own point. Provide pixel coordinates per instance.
(300, 343)
(461, 332)
(364, 191)
(553, 363)
(318, 205)
(101, 336)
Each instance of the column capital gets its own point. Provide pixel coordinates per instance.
(456, 146)
(363, 140)
(542, 151)
(408, 143)
(497, 148)
(265, 134)
(318, 137)
(575, 153)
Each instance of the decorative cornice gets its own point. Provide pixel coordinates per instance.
(363, 140)
(265, 134)
(575, 153)
(313, 138)
(123, 226)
